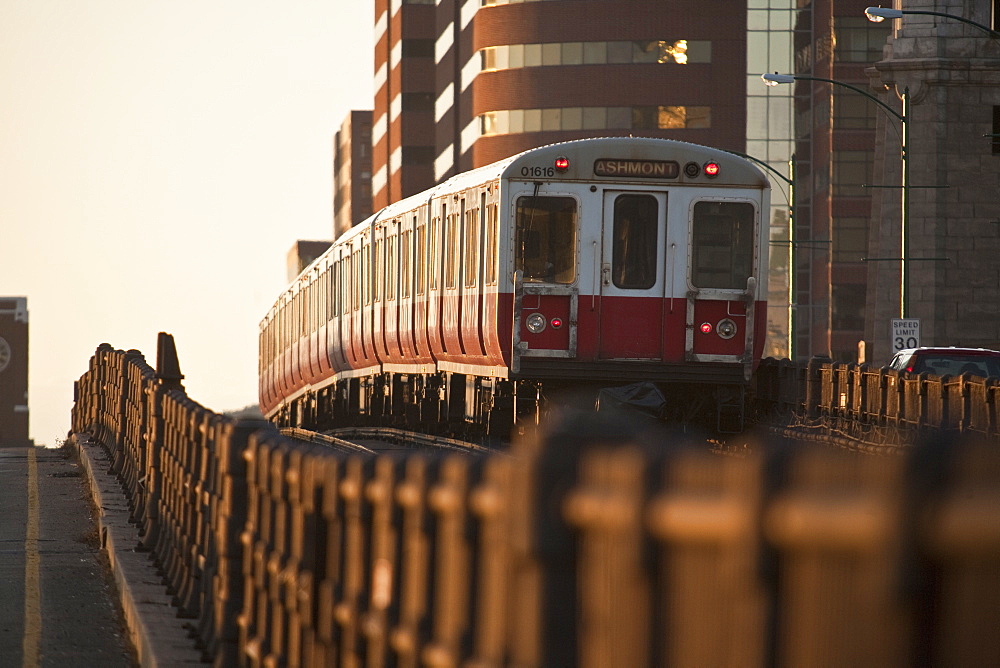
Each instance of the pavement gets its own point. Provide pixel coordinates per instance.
(74, 591)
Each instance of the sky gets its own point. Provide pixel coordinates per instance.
(158, 159)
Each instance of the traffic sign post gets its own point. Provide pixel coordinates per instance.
(905, 333)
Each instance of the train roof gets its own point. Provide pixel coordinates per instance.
(583, 153)
(735, 170)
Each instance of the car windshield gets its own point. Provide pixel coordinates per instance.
(956, 363)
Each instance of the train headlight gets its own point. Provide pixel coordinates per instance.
(556, 323)
(535, 323)
(706, 328)
(561, 164)
(726, 328)
(711, 169)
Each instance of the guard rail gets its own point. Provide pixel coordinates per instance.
(591, 544)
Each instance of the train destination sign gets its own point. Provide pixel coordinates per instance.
(644, 169)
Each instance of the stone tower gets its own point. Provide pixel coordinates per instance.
(950, 73)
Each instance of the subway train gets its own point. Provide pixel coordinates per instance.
(570, 270)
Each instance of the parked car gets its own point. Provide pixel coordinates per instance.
(948, 361)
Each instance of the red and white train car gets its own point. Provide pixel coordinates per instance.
(591, 263)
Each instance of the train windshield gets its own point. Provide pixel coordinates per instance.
(722, 245)
(546, 239)
(635, 248)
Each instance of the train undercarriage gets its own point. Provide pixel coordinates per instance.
(492, 410)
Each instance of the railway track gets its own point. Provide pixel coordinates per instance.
(380, 440)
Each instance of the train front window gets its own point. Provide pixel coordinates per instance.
(633, 264)
(722, 245)
(545, 246)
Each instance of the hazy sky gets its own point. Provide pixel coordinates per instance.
(157, 161)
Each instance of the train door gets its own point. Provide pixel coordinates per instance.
(633, 274)
(722, 294)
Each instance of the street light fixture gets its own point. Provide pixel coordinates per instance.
(904, 294)
(879, 14)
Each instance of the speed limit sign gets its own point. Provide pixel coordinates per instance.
(905, 334)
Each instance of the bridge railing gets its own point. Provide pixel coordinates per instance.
(593, 543)
(875, 398)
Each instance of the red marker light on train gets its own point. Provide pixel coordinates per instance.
(562, 164)
(706, 328)
(556, 323)
(711, 169)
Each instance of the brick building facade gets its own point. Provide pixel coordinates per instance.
(463, 84)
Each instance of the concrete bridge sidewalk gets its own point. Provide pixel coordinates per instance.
(62, 601)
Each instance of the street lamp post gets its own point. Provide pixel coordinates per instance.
(879, 14)
(904, 296)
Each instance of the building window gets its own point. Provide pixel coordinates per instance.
(847, 307)
(858, 40)
(418, 155)
(667, 118)
(851, 170)
(514, 56)
(418, 48)
(490, 3)
(417, 102)
(516, 121)
(850, 239)
(853, 112)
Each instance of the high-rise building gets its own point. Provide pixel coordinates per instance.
(463, 84)
(403, 116)
(352, 171)
(301, 255)
(515, 75)
(819, 137)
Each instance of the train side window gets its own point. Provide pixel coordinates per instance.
(345, 284)
(722, 245)
(635, 244)
(321, 302)
(334, 296)
(365, 276)
(405, 264)
(546, 238)
(451, 233)
(377, 271)
(472, 248)
(421, 252)
(315, 288)
(492, 239)
(391, 260)
(436, 239)
(309, 308)
(314, 315)
(355, 286)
